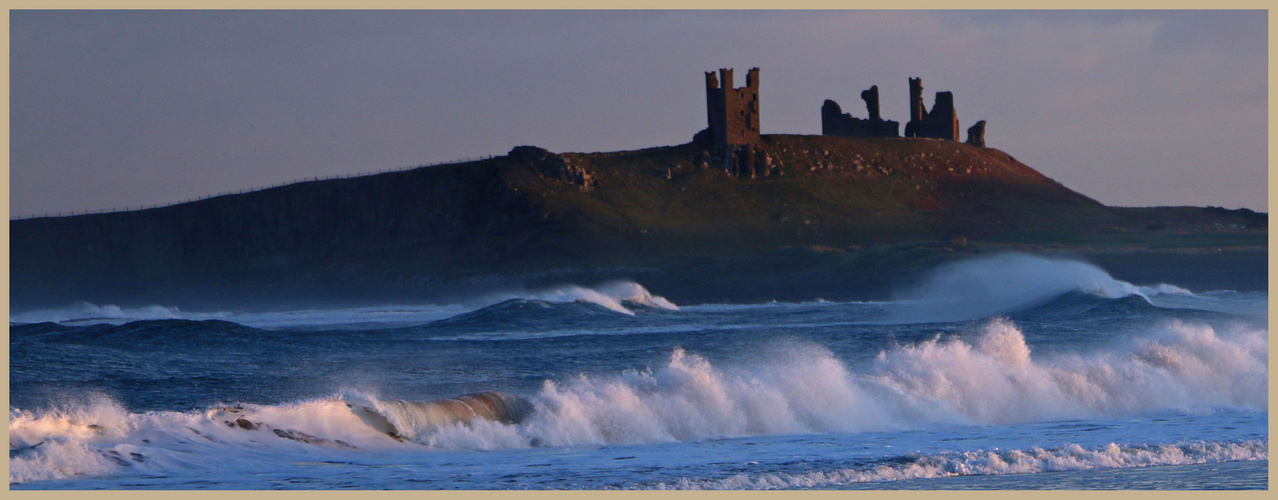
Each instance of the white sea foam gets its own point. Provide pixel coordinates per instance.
(989, 376)
(58, 459)
(58, 443)
(612, 295)
(96, 416)
(971, 463)
(100, 438)
(992, 378)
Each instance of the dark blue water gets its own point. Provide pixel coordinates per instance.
(1101, 385)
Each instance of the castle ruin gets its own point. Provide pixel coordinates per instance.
(733, 114)
(835, 122)
(731, 138)
(939, 123)
(732, 135)
(976, 134)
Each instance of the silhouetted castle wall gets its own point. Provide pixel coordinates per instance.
(976, 134)
(835, 122)
(733, 114)
(939, 123)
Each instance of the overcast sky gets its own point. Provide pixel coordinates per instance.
(112, 109)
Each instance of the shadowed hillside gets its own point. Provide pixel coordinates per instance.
(815, 215)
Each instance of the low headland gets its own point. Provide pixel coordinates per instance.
(805, 217)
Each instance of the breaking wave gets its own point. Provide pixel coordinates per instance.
(987, 286)
(58, 443)
(617, 296)
(557, 308)
(986, 377)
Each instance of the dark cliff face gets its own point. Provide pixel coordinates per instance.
(315, 231)
(664, 210)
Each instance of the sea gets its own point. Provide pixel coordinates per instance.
(1010, 371)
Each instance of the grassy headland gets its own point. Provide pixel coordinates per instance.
(837, 218)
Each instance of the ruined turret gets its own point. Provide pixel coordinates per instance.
(732, 114)
(917, 111)
(732, 136)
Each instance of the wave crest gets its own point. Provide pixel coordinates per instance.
(986, 376)
(993, 379)
(613, 295)
(987, 286)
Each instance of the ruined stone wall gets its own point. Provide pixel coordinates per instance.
(976, 134)
(940, 123)
(732, 113)
(835, 122)
(871, 98)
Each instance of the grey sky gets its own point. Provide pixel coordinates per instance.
(112, 109)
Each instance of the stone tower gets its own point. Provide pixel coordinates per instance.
(733, 114)
(940, 123)
(917, 111)
(871, 98)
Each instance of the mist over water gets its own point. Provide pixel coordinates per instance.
(86, 313)
(998, 284)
